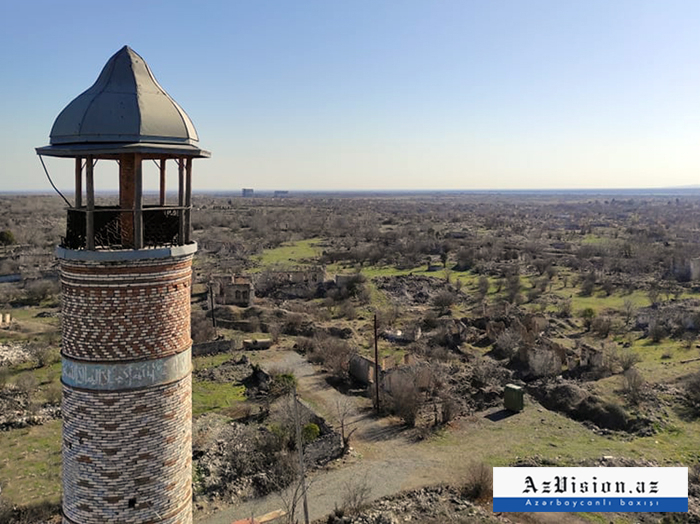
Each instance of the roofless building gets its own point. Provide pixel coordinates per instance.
(125, 281)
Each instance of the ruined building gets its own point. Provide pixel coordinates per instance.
(125, 276)
(236, 290)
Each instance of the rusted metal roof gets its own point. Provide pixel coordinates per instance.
(125, 109)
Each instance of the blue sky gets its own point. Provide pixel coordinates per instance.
(433, 94)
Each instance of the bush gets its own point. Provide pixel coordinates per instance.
(310, 432)
(44, 355)
(356, 496)
(632, 381)
(26, 383)
(628, 358)
(692, 392)
(347, 310)
(40, 290)
(564, 309)
(656, 331)
(406, 399)
(7, 237)
(334, 354)
(282, 382)
(587, 314)
(444, 300)
(507, 343)
(4, 375)
(202, 329)
(601, 326)
(544, 363)
(54, 394)
(478, 484)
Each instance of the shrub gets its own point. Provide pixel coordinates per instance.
(282, 382)
(544, 363)
(406, 399)
(628, 358)
(347, 310)
(444, 300)
(601, 326)
(26, 382)
(4, 375)
(44, 355)
(587, 314)
(478, 484)
(310, 432)
(632, 381)
(356, 496)
(334, 354)
(507, 343)
(7, 237)
(54, 394)
(483, 286)
(201, 326)
(656, 331)
(692, 392)
(41, 290)
(430, 320)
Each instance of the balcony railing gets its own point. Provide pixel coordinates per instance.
(115, 228)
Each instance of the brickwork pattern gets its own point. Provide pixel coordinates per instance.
(127, 455)
(126, 310)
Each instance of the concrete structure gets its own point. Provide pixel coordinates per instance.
(232, 290)
(126, 277)
(247, 192)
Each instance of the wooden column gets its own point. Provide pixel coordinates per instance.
(138, 203)
(181, 200)
(188, 201)
(90, 196)
(78, 183)
(162, 181)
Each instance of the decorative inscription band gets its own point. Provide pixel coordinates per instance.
(126, 375)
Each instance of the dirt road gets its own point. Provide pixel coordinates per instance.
(384, 458)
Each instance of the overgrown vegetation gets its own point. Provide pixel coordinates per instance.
(590, 303)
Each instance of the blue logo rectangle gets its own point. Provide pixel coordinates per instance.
(606, 504)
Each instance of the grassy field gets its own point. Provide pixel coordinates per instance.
(30, 464)
(300, 253)
(214, 397)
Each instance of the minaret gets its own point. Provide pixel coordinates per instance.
(126, 272)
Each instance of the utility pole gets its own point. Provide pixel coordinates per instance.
(376, 365)
(211, 305)
(297, 423)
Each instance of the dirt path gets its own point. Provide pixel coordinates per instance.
(384, 458)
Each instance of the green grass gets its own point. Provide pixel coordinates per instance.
(30, 464)
(551, 435)
(598, 301)
(208, 397)
(300, 253)
(210, 361)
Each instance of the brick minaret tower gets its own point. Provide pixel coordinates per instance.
(125, 277)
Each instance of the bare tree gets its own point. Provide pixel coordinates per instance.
(345, 409)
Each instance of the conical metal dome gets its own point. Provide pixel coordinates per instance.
(125, 109)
